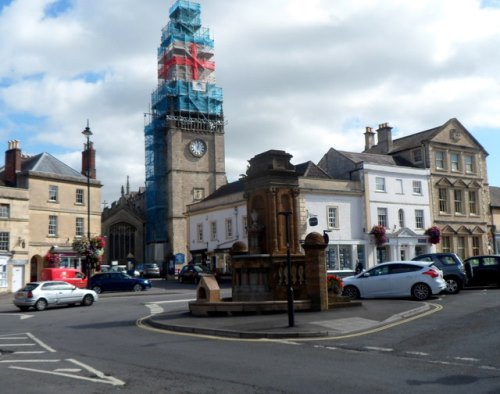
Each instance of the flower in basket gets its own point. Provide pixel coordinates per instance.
(434, 234)
(378, 233)
(335, 284)
(92, 248)
(52, 258)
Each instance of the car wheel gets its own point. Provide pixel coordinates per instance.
(87, 300)
(40, 305)
(351, 292)
(97, 289)
(137, 287)
(24, 308)
(452, 285)
(421, 291)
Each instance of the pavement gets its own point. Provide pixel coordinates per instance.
(362, 317)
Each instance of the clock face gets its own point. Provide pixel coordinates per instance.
(197, 147)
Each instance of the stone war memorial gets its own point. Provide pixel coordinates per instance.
(260, 269)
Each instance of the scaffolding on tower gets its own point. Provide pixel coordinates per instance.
(186, 97)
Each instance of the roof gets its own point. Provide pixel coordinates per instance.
(495, 196)
(227, 189)
(311, 170)
(48, 164)
(374, 158)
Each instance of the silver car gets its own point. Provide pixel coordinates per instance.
(40, 295)
(419, 280)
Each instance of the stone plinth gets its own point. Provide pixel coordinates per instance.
(208, 289)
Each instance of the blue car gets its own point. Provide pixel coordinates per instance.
(117, 281)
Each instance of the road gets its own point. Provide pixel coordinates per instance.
(100, 349)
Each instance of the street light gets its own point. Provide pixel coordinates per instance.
(87, 133)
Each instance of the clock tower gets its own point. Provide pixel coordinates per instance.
(184, 135)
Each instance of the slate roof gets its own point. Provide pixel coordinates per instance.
(495, 196)
(311, 170)
(375, 158)
(46, 164)
(227, 189)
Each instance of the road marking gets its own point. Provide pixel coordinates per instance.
(47, 347)
(17, 344)
(475, 360)
(30, 361)
(32, 352)
(20, 315)
(379, 349)
(171, 301)
(417, 353)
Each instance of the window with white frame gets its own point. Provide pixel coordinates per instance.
(4, 241)
(52, 226)
(380, 184)
(401, 218)
(399, 186)
(455, 162)
(417, 187)
(382, 217)
(458, 199)
(79, 227)
(473, 202)
(229, 228)
(213, 231)
(3, 273)
(419, 218)
(476, 246)
(443, 200)
(332, 213)
(53, 191)
(461, 247)
(199, 232)
(439, 162)
(469, 163)
(80, 195)
(446, 244)
(4, 211)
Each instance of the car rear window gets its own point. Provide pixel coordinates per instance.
(30, 286)
(447, 260)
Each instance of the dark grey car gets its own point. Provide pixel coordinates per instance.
(452, 267)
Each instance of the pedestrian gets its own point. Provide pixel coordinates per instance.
(359, 267)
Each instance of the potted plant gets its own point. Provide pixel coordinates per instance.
(52, 259)
(92, 249)
(379, 236)
(434, 234)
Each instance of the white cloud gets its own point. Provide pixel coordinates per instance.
(298, 76)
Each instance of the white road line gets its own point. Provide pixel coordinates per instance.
(29, 361)
(418, 353)
(172, 301)
(11, 338)
(17, 344)
(379, 349)
(32, 352)
(47, 347)
(475, 360)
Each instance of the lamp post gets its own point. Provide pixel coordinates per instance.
(87, 133)
(291, 317)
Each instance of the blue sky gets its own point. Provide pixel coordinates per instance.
(298, 76)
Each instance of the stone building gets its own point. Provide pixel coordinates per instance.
(123, 226)
(57, 207)
(459, 190)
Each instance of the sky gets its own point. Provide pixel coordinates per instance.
(299, 76)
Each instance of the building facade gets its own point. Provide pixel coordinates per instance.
(57, 209)
(459, 189)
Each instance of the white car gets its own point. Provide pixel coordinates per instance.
(40, 295)
(419, 280)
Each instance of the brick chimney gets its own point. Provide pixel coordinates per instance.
(369, 138)
(384, 139)
(12, 163)
(88, 160)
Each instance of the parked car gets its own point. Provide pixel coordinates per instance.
(40, 295)
(151, 270)
(483, 270)
(192, 273)
(419, 280)
(452, 267)
(70, 275)
(117, 281)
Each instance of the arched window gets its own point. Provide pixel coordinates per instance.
(401, 217)
(121, 241)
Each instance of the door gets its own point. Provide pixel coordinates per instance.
(17, 277)
(377, 283)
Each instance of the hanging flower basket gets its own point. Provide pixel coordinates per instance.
(92, 249)
(379, 236)
(434, 234)
(335, 284)
(52, 259)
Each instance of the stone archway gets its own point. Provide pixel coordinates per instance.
(36, 266)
